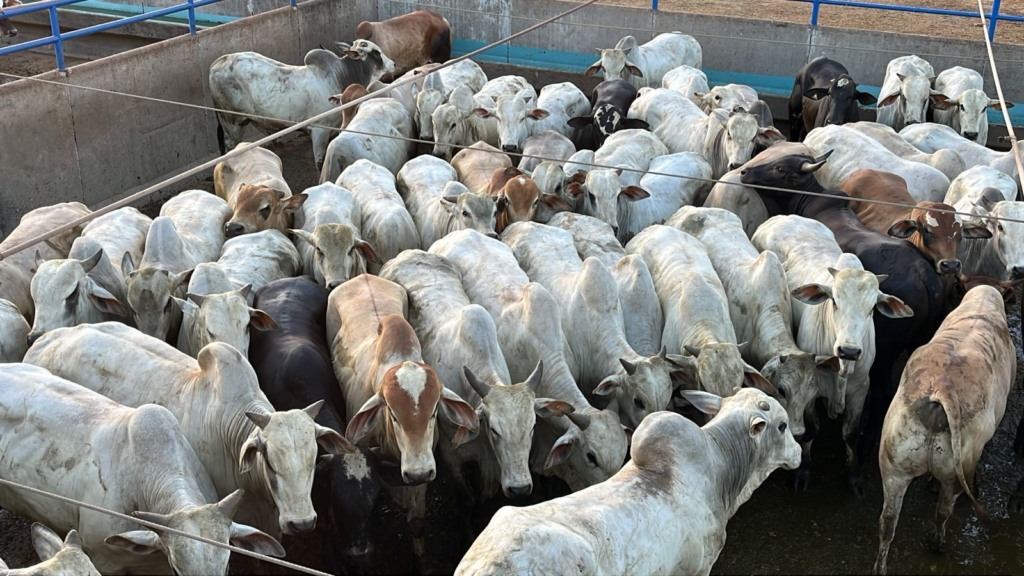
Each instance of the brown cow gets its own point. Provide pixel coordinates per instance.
(519, 199)
(351, 92)
(935, 233)
(410, 40)
(950, 400)
(476, 165)
(253, 185)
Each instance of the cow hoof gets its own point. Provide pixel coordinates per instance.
(856, 485)
(802, 481)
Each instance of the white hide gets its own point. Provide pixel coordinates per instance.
(966, 88)
(457, 123)
(931, 137)
(547, 146)
(525, 113)
(59, 558)
(688, 81)
(1002, 255)
(330, 246)
(13, 333)
(906, 92)
(728, 97)
(439, 204)
(439, 85)
(380, 132)
(946, 161)
(647, 64)
(967, 190)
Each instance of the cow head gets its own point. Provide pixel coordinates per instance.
(513, 113)
(1007, 235)
(351, 483)
(592, 450)
(854, 294)
(151, 297)
(740, 133)
(467, 210)
(793, 172)
(839, 101)
(338, 253)
(59, 557)
(600, 191)
(352, 92)
(614, 64)
(795, 377)
(369, 52)
(188, 555)
(427, 101)
(223, 317)
(549, 177)
(720, 365)
(258, 207)
(65, 294)
(451, 122)
(912, 97)
(646, 386)
(971, 108)
(605, 120)
(517, 201)
(934, 230)
(727, 97)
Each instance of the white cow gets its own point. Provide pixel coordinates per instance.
(759, 306)
(673, 181)
(517, 121)
(818, 271)
(601, 361)
(688, 81)
(907, 91)
(258, 259)
(63, 438)
(59, 558)
(931, 137)
(457, 122)
(188, 232)
(327, 236)
(967, 190)
(461, 343)
(253, 84)
(256, 166)
(671, 115)
(529, 331)
(242, 441)
(641, 310)
(392, 396)
(14, 331)
(946, 161)
(1002, 255)
(965, 88)
(380, 132)
(853, 150)
(439, 85)
(727, 97)
(385, 222)
(16, 270)
(646, 64)
(439, 204)
(547, 146)
(696, 310)
(664, 513)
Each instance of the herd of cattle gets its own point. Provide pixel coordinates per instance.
(254, 361)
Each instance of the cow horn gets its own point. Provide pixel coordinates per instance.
(628, 366)
(155, 518)
(245, 290)
(89, 263)
(481, 388)
(533, 382)
(692, 350)
(196, 298)
(313, 409)
(230, 503)
(72, 539)
(580, 420)
(259, 419)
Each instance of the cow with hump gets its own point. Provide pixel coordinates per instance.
(664, 513)
(410, 40)
(950, 401)
(252, 183)
(60, 437)
(241, 439)
(392, 396)
(588, 445)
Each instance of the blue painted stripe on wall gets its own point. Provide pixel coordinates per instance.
(119, 9)
(577, 63)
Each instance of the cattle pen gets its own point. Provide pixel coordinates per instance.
(102, 145)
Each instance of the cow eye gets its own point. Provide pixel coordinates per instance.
(320, 253)
(718, 98)
(779, 169)
(639, 403)
(782, 427)
(465, 213)
(494, 433)
(74, 295)
(453, 126)
(782, 391)
(170, 303)
(999, 227)
(592, 459)
(265, 212)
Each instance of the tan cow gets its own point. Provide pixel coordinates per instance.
(475, 166)
(390, 393)
(950, 400)
(935, 234)
(253, 185)
(410, 39)
(519, 199)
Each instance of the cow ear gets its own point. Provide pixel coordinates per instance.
(45, 541)
(549, 407)
(812, 294)
(138, 542)
(537, 114)
(483, 112)
(757, 425)
(366, 250)
(706, 402)
(448, 203)
(903, 228)
(634, 193)
(754, 379)
(260, 320)
(890, 99)
(995, 105)
(331, 441)
(89, 263)
(104, 300)
(364, 420)
(554, 203)
(974, 232)
(39, 259)
(459, 411)
(294, 202)
(816, 93)
(865, 99)
(608, 385)
(563, 448)
(248, 538)
(635, 124)
(185, 305)
(573, 190)
(593, 69)
(127, 265)
(944, 104)
(303, 235)
(580, 121)
(685, 375)
(892, 306)
(182, 278)
(632, 69)
(827, 363)
(250, 449)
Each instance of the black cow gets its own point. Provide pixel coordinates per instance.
(910, 277)
(293, 364)
(609, 103)
(823, 93)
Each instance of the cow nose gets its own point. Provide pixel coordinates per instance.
(509, 148)
(33, 336)
(848, 353)
(333, 285)
(734, 165)
(518, 491)
(1017, 272)
(743, 172)
(417, 478)
(949, 266)
(492, 235)
(300, 527)
(909, 122)
(971, 135)
(232, 229)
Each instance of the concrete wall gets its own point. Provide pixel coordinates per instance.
(71, 143)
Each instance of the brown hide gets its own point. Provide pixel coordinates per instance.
(410, 40)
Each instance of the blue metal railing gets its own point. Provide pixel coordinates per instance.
(57, 38)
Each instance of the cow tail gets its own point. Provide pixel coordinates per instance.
(952, 409)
